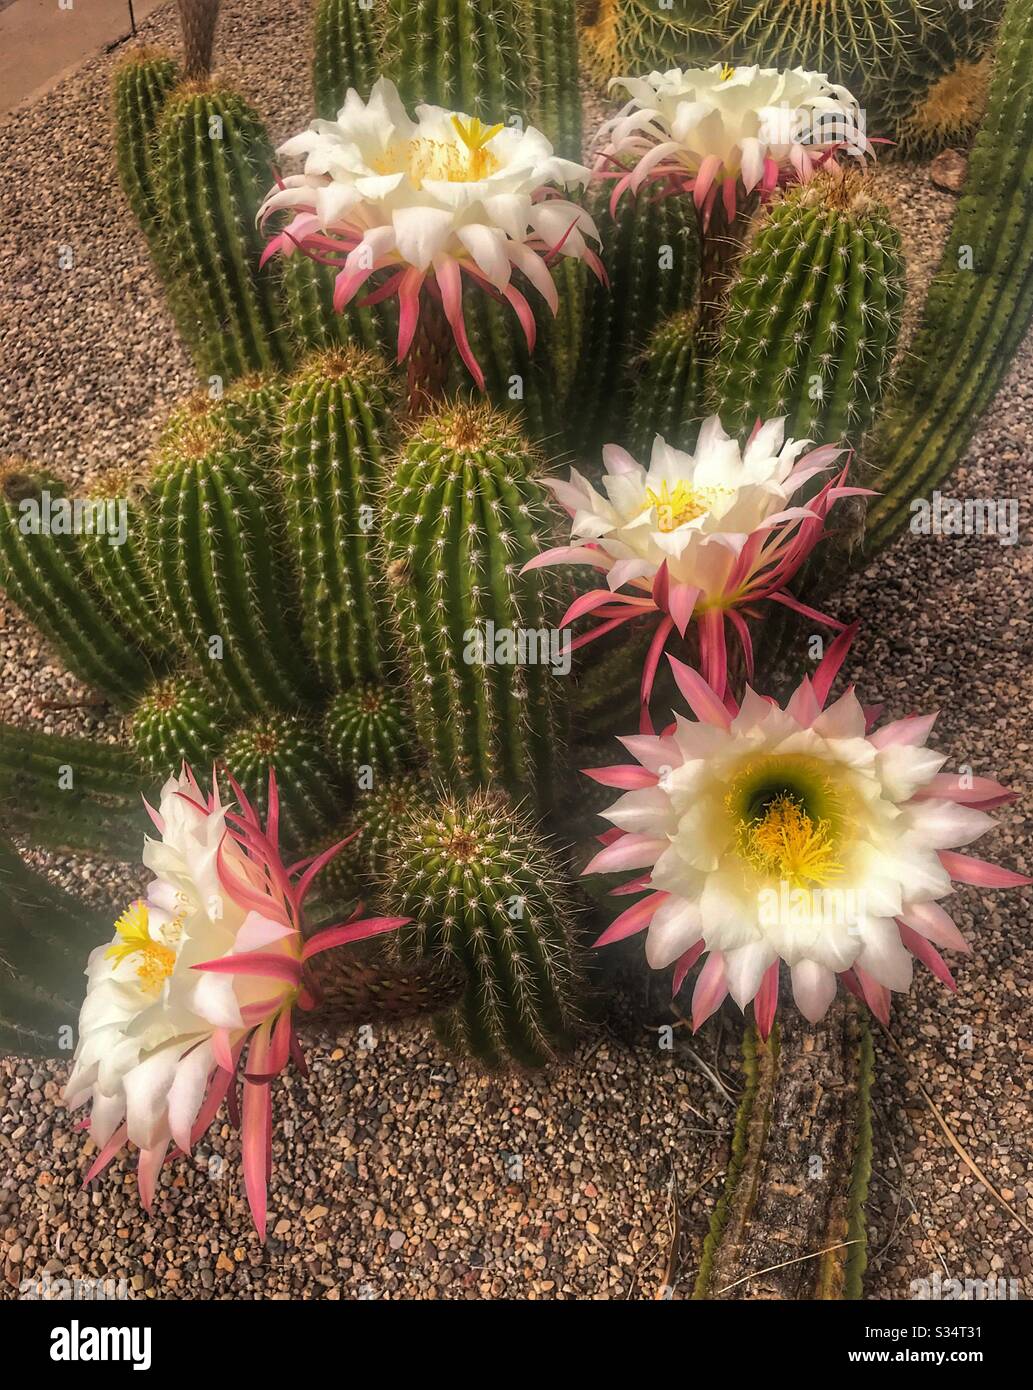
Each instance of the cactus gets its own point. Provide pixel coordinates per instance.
(486, 895)
(345, 53)
(44, 575)
(668, 387)
(307, 291)
(174, 723)
(368, 727)
(948, 113)
(335, 432)
(45, 938)
(309, 799)
(651, 251)
(213, 166)
(356, 871)
(70, 794)
(980, 303)
(553, 60)
(465, 55)
(622, 37)
(224, 579)
(813, 315)
(464, 513)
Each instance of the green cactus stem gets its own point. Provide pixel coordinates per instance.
(368, 728)
(464, 55)
(346, 53)
(668, 387)
(337, 426)
(309, 797)
(175, 722)
(379, 812)
(486, 895)
(553, 60)
(463, 513)
(307, 289)
(813, 315)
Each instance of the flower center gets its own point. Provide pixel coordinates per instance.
(785, 842)
(465, 162)
(684, 504)
(727, 72)
(156, 958)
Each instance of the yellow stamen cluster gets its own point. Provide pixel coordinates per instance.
(465, 162)
(787, 844)
(156, 959)
(684, 504)
(727, 72)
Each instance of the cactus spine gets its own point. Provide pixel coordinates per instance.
(43, 574)
(223, 575)
(309, 800)
(464, 513)
(553, 50)
(813, 315)
(980, 302)
(214, 165)
(345, 54)
(368, 727)
(176, 723)
(485, 895)
(465, 55)
(668, 387)
(651, 252)
(336, 427)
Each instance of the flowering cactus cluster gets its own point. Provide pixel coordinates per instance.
(352, 597)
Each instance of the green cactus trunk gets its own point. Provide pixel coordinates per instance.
(45, 576)
(345, 55)
(307, 290)
(464, 55)
(464, 513)
(337, 426)
(368, 728)
(553, 61)
(176, 722)
(223, 572)
(813, 315)
(980, 303)
(651, 252)
(669, 388)
(309, 798)
(213, 167)
(45, 939)
(485, 895)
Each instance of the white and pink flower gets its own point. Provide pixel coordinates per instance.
(800, 836)
(198, 986)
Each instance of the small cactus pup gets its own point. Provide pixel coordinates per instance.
(425, 221)
(381, 807)
(813, 314)
(464, 512)
(176, 723)
(212, 164)
(464, 55)
(486, 895)
(345, 53)
(337, 426)
(368, 729)
(293, 750)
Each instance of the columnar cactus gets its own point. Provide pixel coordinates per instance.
(463, 513)
(980, 302)
(224, 578)
(368, 727)
(213, 167)
(651, 251)
(553, 59)
(813, 315)
(336, 428)
(345, 53)
(465, 55)
(486, 895)
(307, 290)
(669, 390)
(176, 722)
(41, 570)
(309, 798)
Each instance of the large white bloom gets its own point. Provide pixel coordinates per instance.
(794, 835)
(716, 125)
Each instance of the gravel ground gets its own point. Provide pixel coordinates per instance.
(397, 1173)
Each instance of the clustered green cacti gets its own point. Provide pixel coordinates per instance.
(470, 55)
(485, 894)
(464, 512)
(345, 53)
(979, 305)
(813, 315)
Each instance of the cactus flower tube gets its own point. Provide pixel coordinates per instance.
(198, 987)
(425, 203)
(799, 835)
(702, 536)
(713, 131)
